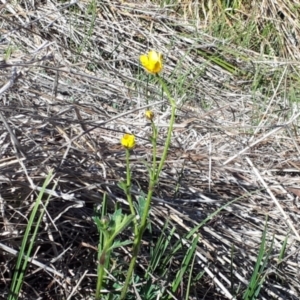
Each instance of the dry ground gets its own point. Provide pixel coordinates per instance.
(71, 85)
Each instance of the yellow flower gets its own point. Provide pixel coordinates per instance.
(152, 61)
(149, 114)
(128, 141)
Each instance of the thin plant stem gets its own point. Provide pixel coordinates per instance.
(137, 244)
(154, 142)
(100, 276)
(103, 238)
(172, 120)
(103, 263)
(154, 176)
(136, 249)
(128, 191)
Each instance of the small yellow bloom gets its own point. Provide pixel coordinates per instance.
(152, 61)
(128, 141)
(149, 114)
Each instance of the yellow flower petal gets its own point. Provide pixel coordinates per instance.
(152, 61)
(144, 60)
(149, 114)
(128, 141)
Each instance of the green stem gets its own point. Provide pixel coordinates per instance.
(136, 249)
(172, 121)
(128, 182)
(100, 275)
(154, 142)
(154, 176)
(137, 244)
(103, 260)
(128, 191)
(102, 238)
(146, 210)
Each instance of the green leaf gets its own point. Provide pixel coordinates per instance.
(122, 185)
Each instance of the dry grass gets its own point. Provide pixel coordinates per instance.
(71, 84)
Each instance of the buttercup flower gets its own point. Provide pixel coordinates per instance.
(128, 141)
(152, 61)
(149, 114)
